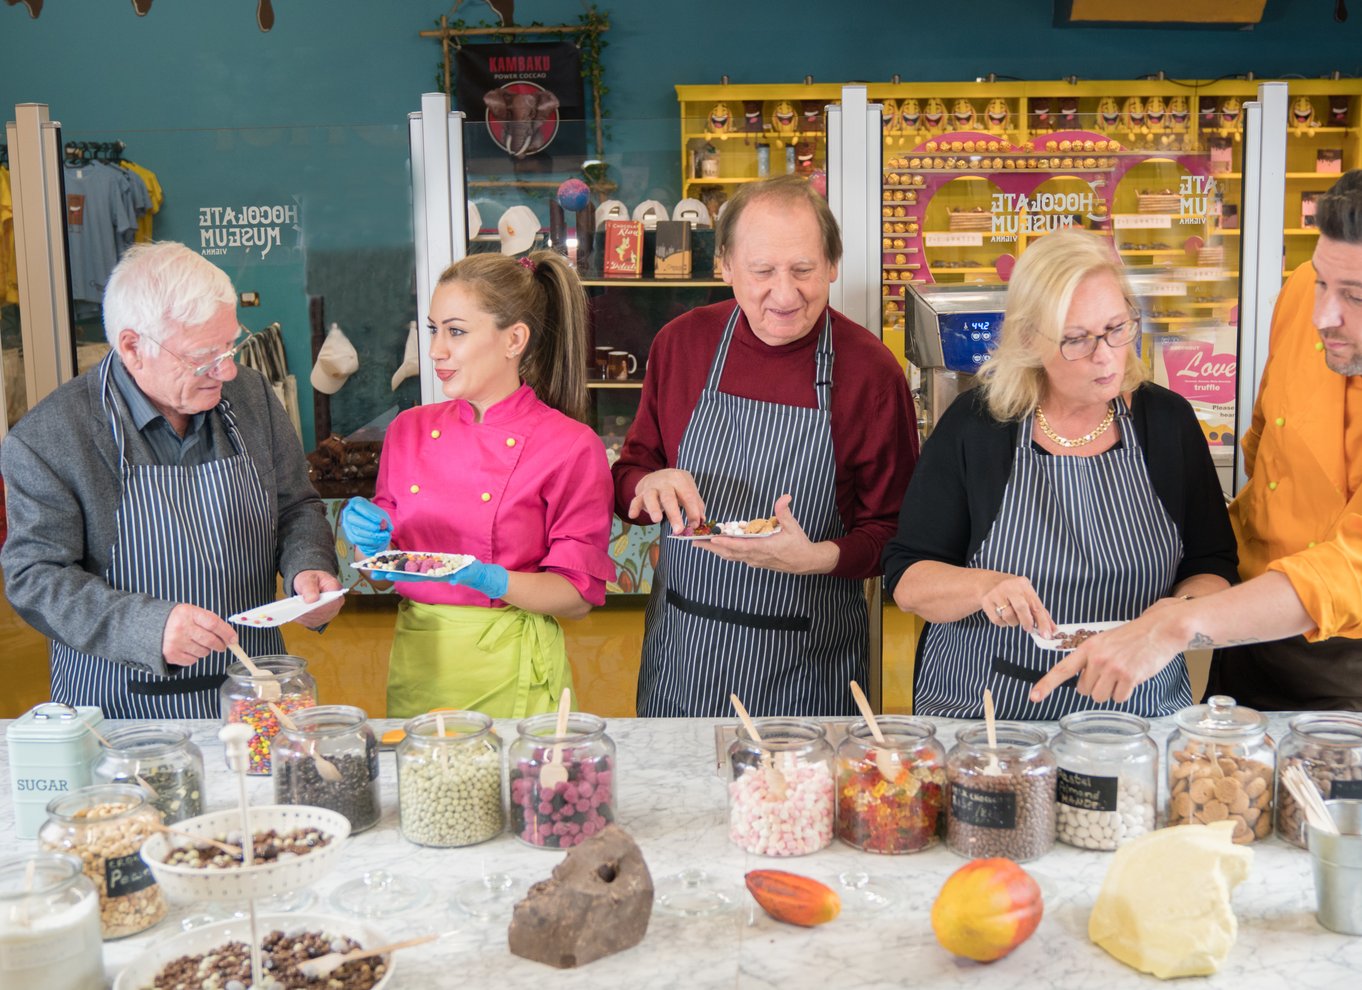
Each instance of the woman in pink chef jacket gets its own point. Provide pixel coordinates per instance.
(505, 471)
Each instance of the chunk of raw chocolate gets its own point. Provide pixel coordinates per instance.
(597, 903)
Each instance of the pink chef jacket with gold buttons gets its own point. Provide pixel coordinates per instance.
(527, 488)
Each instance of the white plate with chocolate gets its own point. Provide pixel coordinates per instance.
(1070, 635)
(414, 565)
(746, 529)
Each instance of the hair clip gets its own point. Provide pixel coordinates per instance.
(528, 264)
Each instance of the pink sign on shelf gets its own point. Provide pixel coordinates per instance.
(1198, 374)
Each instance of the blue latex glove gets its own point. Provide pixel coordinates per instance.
(490, 579)
(368, 528)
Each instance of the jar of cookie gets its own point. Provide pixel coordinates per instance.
(1221, 766)
(1327, 746)
(780, 794)
(1107, 788)
(1002, 798)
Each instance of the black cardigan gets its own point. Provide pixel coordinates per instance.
(957, 487)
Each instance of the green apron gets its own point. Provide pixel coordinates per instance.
(503, 662)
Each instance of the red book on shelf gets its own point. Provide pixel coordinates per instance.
(623, 249)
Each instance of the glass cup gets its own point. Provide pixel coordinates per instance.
(600, 361)
(49, 924)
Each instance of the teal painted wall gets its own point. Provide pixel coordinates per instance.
(313, 113)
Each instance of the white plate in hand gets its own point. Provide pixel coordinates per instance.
(284, 610)
(381, 565)
(1068, 629)
(728, 536)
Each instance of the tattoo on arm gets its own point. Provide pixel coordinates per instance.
(1200, 641)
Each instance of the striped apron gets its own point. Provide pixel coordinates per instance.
(204, 535)
(1097, 544)
(786, 644)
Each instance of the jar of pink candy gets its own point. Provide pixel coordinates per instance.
(562, 787)
(781, 796)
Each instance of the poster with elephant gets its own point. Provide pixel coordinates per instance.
(525, 107)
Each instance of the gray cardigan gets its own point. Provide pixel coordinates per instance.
(62, 489)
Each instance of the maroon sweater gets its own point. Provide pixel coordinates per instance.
(874, 425)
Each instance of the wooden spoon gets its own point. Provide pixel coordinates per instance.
(993, 770)
(325, 768)
(227, 847)
(885, 759)
(553, 772)
(1309, 799)
(269, 684)
(155, 795)
(323, 966)
(774, 778)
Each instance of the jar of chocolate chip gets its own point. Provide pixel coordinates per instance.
(891, 796)
(1327, 746)
(104, 826)
(159, 757)
(329, 758)
(449, 779)
(562, 787)
(285, 684)
(781, 799)
(1221, 767)
(1108, 778)
(1002, 799)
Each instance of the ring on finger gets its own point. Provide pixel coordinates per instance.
(1002, 608)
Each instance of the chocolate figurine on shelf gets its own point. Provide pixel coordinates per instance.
(963, 113)
(910, 115)
(804, 158)
(1156, 119)
(934, 115)
(1108, 114)
(751, 117)
(1068, 114)
(1040, 114)
(1208, 114)
(783, 120)
(997, 116)
(893, 126)
(1132, 117)
(1303, 116)
(719, 123)
(1338, 111)
(1231, 117)
(1179, 116)
(811, 116)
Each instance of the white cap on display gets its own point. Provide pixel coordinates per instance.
(474, 220)
(650, 211)
(611, 209)
(518, 227)
(694, 211)
(336, 361)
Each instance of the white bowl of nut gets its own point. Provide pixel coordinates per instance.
(185, 953)
(295, 845)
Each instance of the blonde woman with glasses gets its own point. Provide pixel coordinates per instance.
(1067, 488)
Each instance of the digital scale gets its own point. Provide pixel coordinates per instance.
(951, 333)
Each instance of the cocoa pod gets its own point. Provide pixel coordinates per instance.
(793, 899)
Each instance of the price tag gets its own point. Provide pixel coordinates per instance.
(1164, 289)
(986, 809)
(953, 239)
(1200, 274)
(1147, 221)
(125, 875)
(1345, 790)
(1089, 793)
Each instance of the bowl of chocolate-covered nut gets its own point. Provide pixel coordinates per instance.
(202, 858)
(219, 955)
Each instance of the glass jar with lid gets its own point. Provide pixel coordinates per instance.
(449, 779)
(161, 757)
(562, 787)
(780, 796)
(247, 698)
(1108, 779)
(1002, 799)
(104, 826)
(329, 758)
(898, 811)
(49, 924)
(1221, 767)
(1327, 746)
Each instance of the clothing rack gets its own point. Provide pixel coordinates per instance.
(81, 152)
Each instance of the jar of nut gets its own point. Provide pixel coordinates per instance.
(562, 787)
(1327, 746)
(49, 924)
(247, 698)
(891, 796)
(449, 779)
(163, 759)
(1002, 799)
(329, 758)
(104, 826)
(1221, 764)
(780, 797)
(1108, 779)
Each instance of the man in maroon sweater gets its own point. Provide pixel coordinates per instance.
(777, 405)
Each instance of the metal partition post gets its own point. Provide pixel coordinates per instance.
(439, 211)
(1260, 264)
(855, 178)
(40, 249)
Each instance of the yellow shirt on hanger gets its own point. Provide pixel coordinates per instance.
(1301, 512)
(9, 271)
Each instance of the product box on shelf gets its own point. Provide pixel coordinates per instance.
(1200, 365)
(1308, 207)
(673, 253)
(1329, 160)
(623, 256)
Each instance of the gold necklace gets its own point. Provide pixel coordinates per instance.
(1082, 441)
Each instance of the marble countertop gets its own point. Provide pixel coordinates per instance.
(673, 802)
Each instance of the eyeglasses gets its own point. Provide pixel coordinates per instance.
(1077, 348)
(208, 367)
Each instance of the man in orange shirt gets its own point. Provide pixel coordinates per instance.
(1291, 634)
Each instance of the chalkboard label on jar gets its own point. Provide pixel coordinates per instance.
(1087, 792)
(986, 809)
(125, 875)
(1345, 790)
